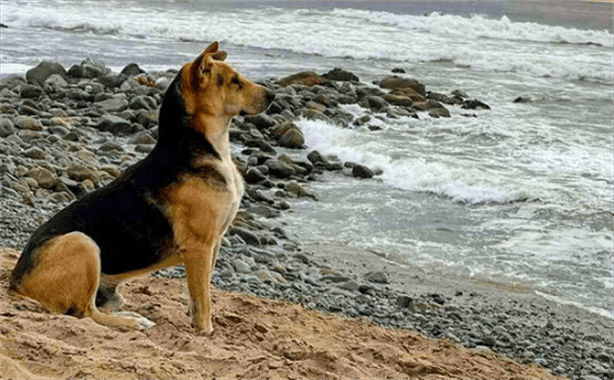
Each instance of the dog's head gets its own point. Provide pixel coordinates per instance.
(212, 87)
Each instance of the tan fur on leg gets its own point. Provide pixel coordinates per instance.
(66, 277)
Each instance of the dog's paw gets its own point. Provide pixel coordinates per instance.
(142, 322)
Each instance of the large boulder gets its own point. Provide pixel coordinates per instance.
(474, 104)
(279, 169)
(409, 93)
(261, 120)
(132, 70)
(316, 158)
(28, 123)
(288, 135)
(292, 138)
(7, 127)
(43, 177)
(398, 100)
(89, 69)
(114, 124)
(373, 102)
(340, 75)
(361, 171)
(112, 80)
(306, 78)
(394, 82)
(30, 91)
(39, 74)
(117, 103)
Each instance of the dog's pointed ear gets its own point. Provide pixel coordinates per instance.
(211, 48)
(219, 55)
(200, 61)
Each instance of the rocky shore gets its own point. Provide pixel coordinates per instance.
(64, 133)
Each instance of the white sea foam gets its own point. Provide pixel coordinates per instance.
(471, 186)
(487, 44)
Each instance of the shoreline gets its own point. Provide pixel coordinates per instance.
(69, 135)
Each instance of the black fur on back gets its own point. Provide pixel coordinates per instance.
(127, 218)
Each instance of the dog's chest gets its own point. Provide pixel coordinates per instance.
(205, 201)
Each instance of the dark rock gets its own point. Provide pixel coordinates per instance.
(7, 127)
(437, 298)
(264, 211)
(26, 109)
(111, 146)
(460, 94)
(247, 236)
(326, 101)
(143, 137)
(474, 104)
(241, 266)
(55, 82)
(35, 153)
(439, 97)
(373, 102)
(362, 92)
(439, 112)
(80, 173)
(88, 69)
(279, 168)
(43, 177)
(378, 277)
(398, 70)
(408, 93)
(115, 104)
(489, 341)
(398, 100)
(340, 75)
(350, 285)
(144, 148)
(427, 105)
(39, 74)
(77, 94)
(28, 123)
(361, 171)
(131, 70)
(404, 301)
(112, 80)
(30, 91)
(306, 78)
(28, 135)
(523, 99)
(366, 289)
(114, 124)
(314, 114)
(394, 82)
(261, 120)
(72, 136)
(362, 120)
(292, 139)
(317, 159)
(142, 102)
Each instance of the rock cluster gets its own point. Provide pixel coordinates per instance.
(64, 133)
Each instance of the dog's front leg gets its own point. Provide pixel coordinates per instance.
(198, 269)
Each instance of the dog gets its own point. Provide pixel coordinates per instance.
(172, 207)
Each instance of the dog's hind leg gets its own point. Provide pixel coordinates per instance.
(66, 278)
(107, 296)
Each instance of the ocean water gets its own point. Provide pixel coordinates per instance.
(521, 193)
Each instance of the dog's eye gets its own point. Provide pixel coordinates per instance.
(219, 80)
(235, 80)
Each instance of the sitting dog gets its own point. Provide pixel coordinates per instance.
(172, 207)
